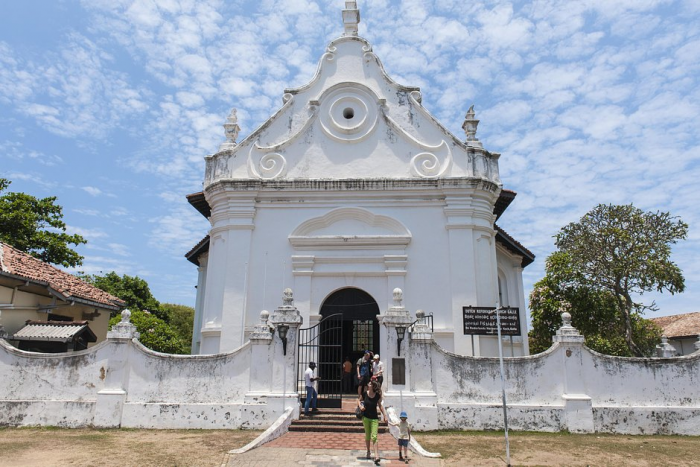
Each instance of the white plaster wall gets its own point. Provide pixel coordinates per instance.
(627, 395)
(440, 275)
(50, 389)
(164, 378)
(444, 390)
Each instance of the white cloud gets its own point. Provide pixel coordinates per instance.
(92, 191)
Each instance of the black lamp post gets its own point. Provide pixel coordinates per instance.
(282, 330)
(400, 334)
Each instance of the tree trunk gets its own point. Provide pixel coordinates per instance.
(626, 305)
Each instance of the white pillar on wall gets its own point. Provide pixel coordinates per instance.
(199, 304)
(109, 404)
(463, 289)
(578, 406)
(232, 221)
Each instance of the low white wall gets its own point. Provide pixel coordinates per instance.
(120, 383)
(568, 387)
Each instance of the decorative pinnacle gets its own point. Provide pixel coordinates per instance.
(231, 128)
(351, 18)
(470, 124)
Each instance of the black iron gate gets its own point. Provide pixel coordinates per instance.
(323, 344)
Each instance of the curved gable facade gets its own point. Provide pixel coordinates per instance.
(352, 184)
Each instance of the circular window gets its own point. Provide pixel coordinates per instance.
(348, 113)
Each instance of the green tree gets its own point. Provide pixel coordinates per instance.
(156, 334)
(181, 319)
(594, 313)
(132, 289)
(35, 226)
(615, 252)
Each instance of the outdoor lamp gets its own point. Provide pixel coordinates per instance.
(282, 329)
(400, 334)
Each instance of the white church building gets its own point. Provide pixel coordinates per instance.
(364, 210)
(351, 190)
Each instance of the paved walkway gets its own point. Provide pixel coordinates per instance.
(325, 450)
(281, 457)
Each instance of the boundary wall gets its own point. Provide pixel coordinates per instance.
(120, 383)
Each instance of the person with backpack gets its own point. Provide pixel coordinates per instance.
(364, 372)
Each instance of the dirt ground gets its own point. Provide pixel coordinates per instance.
(41, 447)
(562, 449)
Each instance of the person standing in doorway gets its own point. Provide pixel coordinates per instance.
(371, 404)
(364, 373)
(347, 375)
(378, 369)
(311, 393)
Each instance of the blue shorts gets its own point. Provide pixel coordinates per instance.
(403, 442)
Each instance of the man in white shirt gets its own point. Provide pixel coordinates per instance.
(378, 369)
(310, 390)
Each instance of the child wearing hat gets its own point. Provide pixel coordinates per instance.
(404, 436)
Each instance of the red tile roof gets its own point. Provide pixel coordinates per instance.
(685, 325)
(514, 246)
(20, 265)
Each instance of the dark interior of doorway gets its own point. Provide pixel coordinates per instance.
(360, 326)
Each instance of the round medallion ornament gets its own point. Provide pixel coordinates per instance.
(349, 114)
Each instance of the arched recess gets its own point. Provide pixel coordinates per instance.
(503, 297)
(360, 325)
(350, 227)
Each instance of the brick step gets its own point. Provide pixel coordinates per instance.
(333, 429)
(326, 416)
(316, 421)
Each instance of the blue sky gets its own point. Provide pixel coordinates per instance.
(111, 105)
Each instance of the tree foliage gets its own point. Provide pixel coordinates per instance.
(611, 254)
(594, 313)
(156, 334)
(132, 289)
(181, 318)
(35, 226)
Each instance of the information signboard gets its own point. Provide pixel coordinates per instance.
(481, 321)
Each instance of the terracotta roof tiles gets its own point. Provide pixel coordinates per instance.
(684, 325)
(22, 265)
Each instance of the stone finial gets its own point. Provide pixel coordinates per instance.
(397, 309)
(287, 313)
(123, 329)
(566, 320)
(567, 333)
(421, 331)
(351, 18)
(126, 316)
(288, 297)
(470, 124)
(262, 331)
(398, 297)
(231, 130)
(665, 350)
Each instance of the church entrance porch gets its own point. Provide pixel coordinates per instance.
(348, 327)
(360, 327)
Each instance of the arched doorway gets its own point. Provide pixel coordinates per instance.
(360, 328)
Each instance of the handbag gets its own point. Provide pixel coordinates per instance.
(358, 413)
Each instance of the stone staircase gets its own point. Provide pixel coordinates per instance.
(332, 421)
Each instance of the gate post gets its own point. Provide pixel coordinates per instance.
(255, 412)
(396, 317)
(109, 405)
(284, 392)
(425, 408)
(578, 407)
